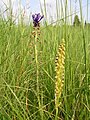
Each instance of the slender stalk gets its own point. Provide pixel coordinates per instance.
(71, 10)
(66, 80)
(87, 43)
(37, 73)
(85, 58)
(45, 9)
(36, 60)
(57, 9)
(56, 116)
(10, 11)
(84, 42)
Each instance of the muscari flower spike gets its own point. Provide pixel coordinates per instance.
(36, 19)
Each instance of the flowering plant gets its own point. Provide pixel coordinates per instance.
(36, 19)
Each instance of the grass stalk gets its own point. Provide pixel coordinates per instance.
(85, 58)
(66, 80)
(84, 42)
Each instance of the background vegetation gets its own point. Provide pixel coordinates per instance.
(18, 93)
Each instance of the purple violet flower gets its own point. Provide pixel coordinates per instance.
(36, 19)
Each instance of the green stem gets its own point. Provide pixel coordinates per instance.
(56, 116)
(36, 60)
(37, 74)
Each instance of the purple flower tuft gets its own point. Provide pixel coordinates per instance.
(36, 19)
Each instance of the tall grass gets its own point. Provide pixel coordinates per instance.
(20, 98)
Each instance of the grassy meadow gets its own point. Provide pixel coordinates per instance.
(22, 97)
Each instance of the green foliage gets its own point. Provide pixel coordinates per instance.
(76, 21)
(18, 78)
(18, 93)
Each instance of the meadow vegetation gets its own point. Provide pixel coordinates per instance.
(19, 98)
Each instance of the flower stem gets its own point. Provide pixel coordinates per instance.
(56, 116)
(37, 73)
(36, 60)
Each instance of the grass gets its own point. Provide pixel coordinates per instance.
(19, 99)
